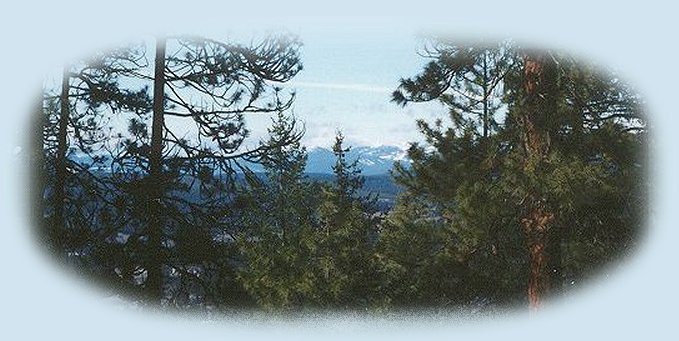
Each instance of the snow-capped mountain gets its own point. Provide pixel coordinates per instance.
(372, 160)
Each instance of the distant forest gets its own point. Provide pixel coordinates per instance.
(533, 183)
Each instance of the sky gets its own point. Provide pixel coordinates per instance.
(345, 84)
(639, 301)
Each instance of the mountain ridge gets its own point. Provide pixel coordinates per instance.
(320, 160)
(371, 160)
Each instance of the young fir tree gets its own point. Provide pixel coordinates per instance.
(347, 237)
(278, 225)
(415, 268)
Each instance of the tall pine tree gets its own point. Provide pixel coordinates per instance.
(531, 182)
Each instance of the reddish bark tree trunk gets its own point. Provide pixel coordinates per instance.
(539, 103)
(536, 227)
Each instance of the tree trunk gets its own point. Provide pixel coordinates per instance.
(539, 103)
(154, 281)
(536, 226)
(60, 172)
(38, 168)
(485, 95)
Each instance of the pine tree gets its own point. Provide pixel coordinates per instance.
(467, 78)
(74, 123)
(137, 198)
(530, 182)
(212, 85)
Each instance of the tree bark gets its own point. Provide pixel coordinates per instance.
(38, 168)
(539, 103)
(536, 227)
(485, 95)
(60, 163)
(154, 281)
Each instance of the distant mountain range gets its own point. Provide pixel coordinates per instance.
(375, 164)
(372, 160)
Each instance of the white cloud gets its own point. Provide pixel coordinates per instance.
(342, 86)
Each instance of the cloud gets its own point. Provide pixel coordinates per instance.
(342, 86)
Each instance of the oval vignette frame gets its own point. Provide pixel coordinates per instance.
(335, 88)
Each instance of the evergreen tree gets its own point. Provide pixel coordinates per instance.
(278, 226)
(137, 200)
(212, 85)
(412, 254)
(558, 148)
(467, 78)
(346, 237)
(74, 121)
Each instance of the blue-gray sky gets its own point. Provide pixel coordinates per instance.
(346, 84)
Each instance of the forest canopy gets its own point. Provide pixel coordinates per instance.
(148, 181)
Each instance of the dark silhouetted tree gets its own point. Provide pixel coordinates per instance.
(210, 85)
(74, 123)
